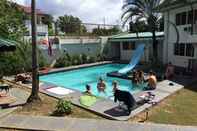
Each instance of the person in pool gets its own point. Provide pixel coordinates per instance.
(140, 76)
(152, 81)
(88, 90)
(101, 86)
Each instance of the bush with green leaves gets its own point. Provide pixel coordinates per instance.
(64, 107)
(64, 61)
(20, 60)
(84, 58)
(91, 59)
(100, 57)
(76, 60)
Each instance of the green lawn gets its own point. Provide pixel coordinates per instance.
(179, 109)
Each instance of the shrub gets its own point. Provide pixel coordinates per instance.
(92, 59)
(76, 60)
(63, 61)
(60, 62)
(84, 58)
(16, 62)
(100, 57)
(64, 107)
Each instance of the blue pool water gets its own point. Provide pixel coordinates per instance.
(77, 79)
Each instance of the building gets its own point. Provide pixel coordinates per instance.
(180, 42)
(42, 29)
(122, 46)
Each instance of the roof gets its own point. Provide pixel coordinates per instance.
(7, 45)
(130, 36)
(27, 10)
(172, 4)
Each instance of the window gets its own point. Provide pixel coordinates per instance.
(128, 45)
(190, 17)
(178, 19)
(183, 18)
(176, 49)
(195, 16)
(183, 49)
(189, 50)
(186, 17)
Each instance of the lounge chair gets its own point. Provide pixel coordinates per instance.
(24, 78)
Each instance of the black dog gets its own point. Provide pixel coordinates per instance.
(125, 97)
(4, 87)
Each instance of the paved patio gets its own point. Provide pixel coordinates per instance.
(73, 124)
(20, 96)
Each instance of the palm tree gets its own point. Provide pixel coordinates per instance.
(143, 10)
(35, 79)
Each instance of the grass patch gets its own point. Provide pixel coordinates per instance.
(48, 106)
(180, 109)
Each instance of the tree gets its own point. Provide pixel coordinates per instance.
(70, 24)
(49, 20)
(34, 97)
(143, 10)
(103, 31)
(16, 62)
(11, 21)
(141, 26)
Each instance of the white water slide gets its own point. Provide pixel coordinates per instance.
(134, 60)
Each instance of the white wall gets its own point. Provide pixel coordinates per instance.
(171, 38)
(127, 54)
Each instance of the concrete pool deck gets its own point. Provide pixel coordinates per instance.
(108, 109)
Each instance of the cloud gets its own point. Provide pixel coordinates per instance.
(89, 11)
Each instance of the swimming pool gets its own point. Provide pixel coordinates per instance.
(77, 79)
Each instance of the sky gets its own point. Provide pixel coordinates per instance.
(89, 11)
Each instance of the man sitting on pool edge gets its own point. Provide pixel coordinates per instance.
(101, 86)
(152, 81)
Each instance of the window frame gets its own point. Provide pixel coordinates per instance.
(183, 51)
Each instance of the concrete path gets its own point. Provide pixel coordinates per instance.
(20, 96)
(72, 124)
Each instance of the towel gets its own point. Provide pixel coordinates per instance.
(87, 100)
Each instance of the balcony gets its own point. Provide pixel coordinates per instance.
(42, 29)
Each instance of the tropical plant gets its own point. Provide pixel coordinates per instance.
(103, 31)
(91, 59)
(100, 57)
(63, 107)
(11, 21)
(76, 60)
(20, 60)
(84, 58)
(70, 24)
(143, 10)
